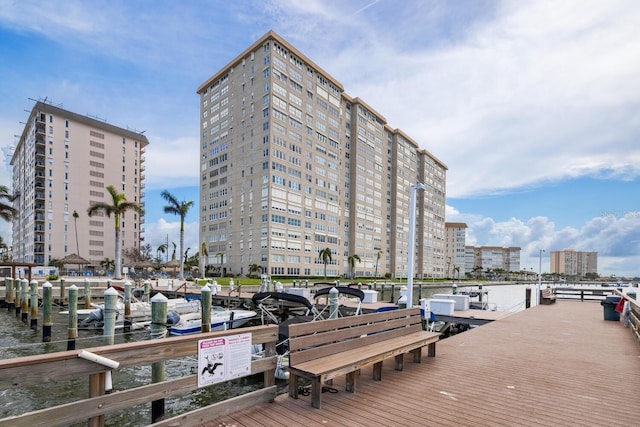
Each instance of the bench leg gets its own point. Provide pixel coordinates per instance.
(417, 355)
(431, 350)
(377, 371)
(316, 392)
(351, 381)
(399, 362)
(293, 385)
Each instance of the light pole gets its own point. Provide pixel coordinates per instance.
(539, 277)
(412, 240)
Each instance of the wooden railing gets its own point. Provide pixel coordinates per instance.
(634, 313)
(46, 369)
(583, 294)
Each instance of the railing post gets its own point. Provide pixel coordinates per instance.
(72, 328)
(158, 330)
(47, 318)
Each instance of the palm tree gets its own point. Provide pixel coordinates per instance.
(352, 263)
(221, 256)
(119, 205)
(75, 224)
(326, 257)
(254, 268)
(161, 250)
(177, 208)
(107, 264)
(173, 255)
(7, 211)
(378, 255)
(204, 254)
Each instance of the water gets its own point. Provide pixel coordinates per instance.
(18, 339)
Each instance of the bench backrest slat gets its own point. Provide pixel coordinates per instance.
(324, 335)
(338, 335)
(349, 321)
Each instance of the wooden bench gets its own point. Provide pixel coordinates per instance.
(547, 296)
(323, 350)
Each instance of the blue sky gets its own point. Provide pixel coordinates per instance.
(534, 106)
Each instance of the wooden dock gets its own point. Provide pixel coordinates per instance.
(554, 365)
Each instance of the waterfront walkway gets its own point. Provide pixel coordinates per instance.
(555, 365)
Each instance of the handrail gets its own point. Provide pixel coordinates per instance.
(46, 368)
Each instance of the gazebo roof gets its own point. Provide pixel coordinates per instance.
(73, 259)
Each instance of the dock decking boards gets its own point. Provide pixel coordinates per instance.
(554, 365)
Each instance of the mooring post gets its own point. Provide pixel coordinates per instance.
(108, 283)
(72, 328)
(24, 300)
(454, 289)
(419, 291)
(205, 309)
(33, 304)
(527, 297)
(63, 292)
(333, 303)
(8, 292)
(87, 293)
(47, 318)
(18, 296)
(147, 290)
(109, 315)
(393, 291)
(127, 306)
(158, 330)
(382, 291)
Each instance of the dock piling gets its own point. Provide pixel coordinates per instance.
(205, 302)
(47, 318)
(63, 292)
(24, 300)
(109, 326)
(8, 286)
(72, 328)
(87, 293)
(33, 304)
(158, 330)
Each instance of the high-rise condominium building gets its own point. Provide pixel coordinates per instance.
(488, 260)
(574, 263)
(455, 242)
(291, 166)
(62, 164)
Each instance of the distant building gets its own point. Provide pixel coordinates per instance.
(482, 259)
(292, 165)
(63, 162)
(569, 262)
(455, 243)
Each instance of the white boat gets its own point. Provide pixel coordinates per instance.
(221, 319)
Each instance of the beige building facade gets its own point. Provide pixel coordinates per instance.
(62, 164)
(455, 242)
(292, 165)
(569, 262)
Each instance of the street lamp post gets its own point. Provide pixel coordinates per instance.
(539, 276)
(412, 241)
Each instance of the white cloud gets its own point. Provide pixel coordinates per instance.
(615, 238)
(158, 233)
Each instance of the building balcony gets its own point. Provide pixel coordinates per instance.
(39, 196)
(39, 164)
(39, 228)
